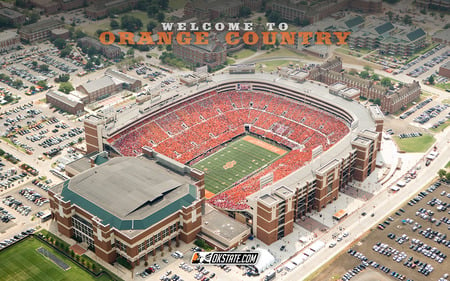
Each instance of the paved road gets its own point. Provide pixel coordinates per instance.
(384, 202)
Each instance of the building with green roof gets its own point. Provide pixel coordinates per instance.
(130, 206)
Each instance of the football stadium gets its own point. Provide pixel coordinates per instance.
(263, 150)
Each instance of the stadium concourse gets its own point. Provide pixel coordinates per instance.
(193, 129)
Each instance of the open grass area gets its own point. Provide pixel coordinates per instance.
(177, 4)
(230, 164)
(281, 52)
(441, 127)
(23, 262)
(447, 165)
(244, 53)
(443, 86)
(446, 101)
(273, 65)
(419, 144)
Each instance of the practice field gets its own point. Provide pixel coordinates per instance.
(24, 262)
(235, 161)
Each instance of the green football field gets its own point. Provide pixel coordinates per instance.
(233, 162)
(23, 262)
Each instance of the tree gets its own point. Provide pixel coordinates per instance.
(431, 80)
(66, 87)
(368, 68)
(114, 24)
(60, 43)
(130, 23)
(66, 51)
(43, 67)
(447, 176)
(377, 101)
(79, 34)
(32, 88)
(386, 82)
(151, 25)
(423, 11)
(390, 15)
(34, 17)
(442, 173)
(152, 10)
(34, 63)
(130, 52)
(89, 65)
(42, 84)
(63, 78)
(375, 77)
(160, 17)
(407, 20)
(163, 4)
(17, 83)
(364, 74)
(244, 11)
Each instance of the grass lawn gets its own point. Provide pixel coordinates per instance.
(272, 65)
(177, 4)
(23, 262)
(244, 53)
(441, 127)
(443, 86)
(448, 165)
(230, 61)
(419, 144)
(282, 52)
(235, 161)
(447, 101)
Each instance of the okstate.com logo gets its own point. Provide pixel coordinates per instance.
(218, 258)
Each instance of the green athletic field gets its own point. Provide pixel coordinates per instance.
(233, 162)
(23, 262)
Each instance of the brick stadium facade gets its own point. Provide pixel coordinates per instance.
(173, 215)
(391, 100)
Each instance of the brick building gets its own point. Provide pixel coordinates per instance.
(101, 9)
(130, 207)
(213, 54)
(212, 9)
(39, 30)
(391, 100)
(13, 17)
(8, 40)
(65, 102)
(314, 11)
(109, 51)
(444, 70)
(111, 83)
(443, 5)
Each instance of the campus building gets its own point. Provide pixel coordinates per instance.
(68, 103)
(130, 207)
(39, 31)
(212, 54)
(111, 83)
(9, 40)
(391, 100)
(109, 51)
(213, 9)
(444, 70)
(13, 17)
(313, 11)
(101, 9)
(434, 4)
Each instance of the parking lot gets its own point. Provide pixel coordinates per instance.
(412, 242)
(40, 130)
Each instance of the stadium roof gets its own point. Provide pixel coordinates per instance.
(129, 193)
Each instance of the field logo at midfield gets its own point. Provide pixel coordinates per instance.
(229, 165)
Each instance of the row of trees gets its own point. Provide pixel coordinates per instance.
(444, 174)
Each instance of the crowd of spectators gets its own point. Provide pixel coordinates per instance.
(194, 128)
